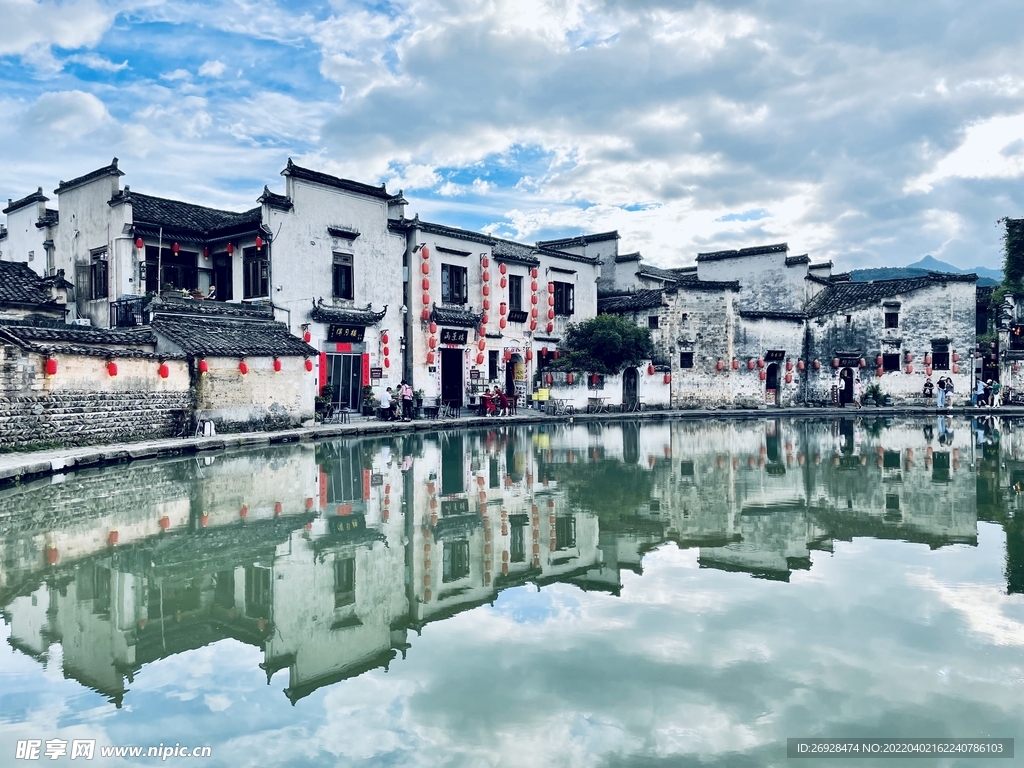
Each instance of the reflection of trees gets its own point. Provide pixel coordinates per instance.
(606, 487)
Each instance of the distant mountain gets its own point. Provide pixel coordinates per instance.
(923, 267)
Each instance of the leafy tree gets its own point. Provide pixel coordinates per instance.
(605, 344)
(1013, 254)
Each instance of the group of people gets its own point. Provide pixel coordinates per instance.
(857, 395)
(944, 388)
(497, 403)
(400, 408)
(987, 394)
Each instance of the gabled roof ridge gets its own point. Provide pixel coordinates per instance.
(319, 177)
(35, 197)
(107, 170)
(596, 237)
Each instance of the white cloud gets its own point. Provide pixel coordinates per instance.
(212, 68)
(31, 23)
(65, 115)
(990, 150)
(177, 74)
(95, 61)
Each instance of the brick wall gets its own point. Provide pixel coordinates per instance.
(82, 404)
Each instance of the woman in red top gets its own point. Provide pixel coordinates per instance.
(502, 401)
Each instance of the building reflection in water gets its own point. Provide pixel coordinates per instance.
(326, 557)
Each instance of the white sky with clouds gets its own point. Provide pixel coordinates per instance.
(867, 132)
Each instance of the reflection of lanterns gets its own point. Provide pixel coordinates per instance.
(278, 508)
(165, 523)
(430, 358)
(112, 538)
(243, 512)
(956, 357)
(502, 322)
(52, 555)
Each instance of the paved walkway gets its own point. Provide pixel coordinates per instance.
(20, 466)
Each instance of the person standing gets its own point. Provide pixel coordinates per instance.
(385, 405)
(842, 391)
(941, 386)
(857, 392)
(979, 392)
(996, 400)
(949, 392)
(406, 392)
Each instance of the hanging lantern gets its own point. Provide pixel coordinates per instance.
(668, 378)
(551, 300)
(387, 362)
(486, 290)
(204, 367)
(508, 355)
(817, 364)
(278, 508)
(231, 248)
(175, 248)
(789, 378)
(243, 367)
(719, 365)
(484, 318)
(878, 360)
(387, 351)
(789, 365)
(425, 268)
(533, 325)
(956, 368)
(551, 287)
(206, 253)
(835, 362)
(928, 370)
(570, 378)
(111, 368)
(112, 538)
(762, 375)
(384, 338)
(432, 342)
(735, 364)
(502, 308)
(551, 314)
(51, 366)
(164, 371)
(534, 299)
(425, 252)
(139, 243)
(480, 358)
(551, 327)
(800, 365)
(487, 304)
(309, 364)
(533, 286)
(425, 315)
(502, 268)
(910, 369)
(908, 357)
(306, 336)
(481, 345)
(650, 369)
(879, 372)
(529, 354)
(751, 364)
(433, 327)
(863, 363)
(277, 365)
(927, 358)
(430, 358)
(259, 243)
(502, 322)
(956, 357)
(487, 276)
(504, 282)
(426, 299)
(425, 284)
(481, 331)
(485, 262)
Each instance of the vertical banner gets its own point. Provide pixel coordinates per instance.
(366, 370)
(323, 489)
(322, 372)
(366, 485)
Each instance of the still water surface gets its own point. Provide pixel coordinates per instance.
(616, 594)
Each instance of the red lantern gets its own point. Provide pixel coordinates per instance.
(879, 372)
(111, 368)
(139, 243)
(277, 365)
(175, 248)
(387, 362)
(551, 314)
(735, 364)
(551, 301)
(650, 370)
(433, 327)
(529, 354)
(570, 378)
(761, 375)
(425, 315)
(502, 322)
(534, 313)
(800, 365)
(487, 304)
(927, 358)
(164, 371)
(508, 355)
(425, 268)
(384, 338)
(485, 262)
(835, 362)
(259, 242)
(243, 367)
(484, 318)
(486, 290)
(789, 378)
(206, 253)
(908, 357)
(533, 325)
(51, 366)
(487, 276)
(533, 286)
(426, 284)
(548, 379)
(750, 364)
(480, 358)
(231, 248)
(719, 365)
(558, 353)
(863, 363)
(760, 362)
(956, 368)
(551, 327)
(387, 351)
(243, 512)
(534, 299)
(668, 378)
(956, 357)
(165, 523)
(204, 367)
(309, 365)
(817, 365)
(425, 252)
(504, 282)
(426, 299)
(878, 360)
(51, 555)
(430, 358)
(789, 365)
(481, 331)
(432, 342)
(306, 336)
(112, 538)
(502, 268)
(910, 369)
(551, 287)
(928, 370)
(502, 308)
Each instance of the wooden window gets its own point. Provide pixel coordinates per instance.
(344, 581)
(890, 362)
(565, 300)
(892, 320)
(455, 560)
(515, 293)
(565, 532)
(652, 322)
(940, 361)
(98, 276)
(492, 365)
(255, 274)
(454, 287)
(686, 359)
(343, 287)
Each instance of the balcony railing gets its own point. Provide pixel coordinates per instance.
(128, 312)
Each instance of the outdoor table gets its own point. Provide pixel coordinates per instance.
(597, 404)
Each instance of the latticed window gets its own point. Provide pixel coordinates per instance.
(454, 286)
(255, 274)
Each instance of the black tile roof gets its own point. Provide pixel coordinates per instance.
(49, 219)
(657, 272)
(461, 318)
(177, 218)
(758, 250)
(629, 302)
(198, 335)
(107, 170)
(440, 229)
(792, 261)
(274, 200)
(623, 257)
(346, 316)
(306, 174)
(754, 314)
(688, 279)
(35, 197)
(506, 250)
(579, 240)
(841, 296)
(172, 305)
(80, 335)
(20, 286)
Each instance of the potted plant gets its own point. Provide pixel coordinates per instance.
(417, 398)
(369, 401)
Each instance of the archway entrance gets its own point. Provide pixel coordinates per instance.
(630, 387)
(846, 391)
(451, 376)
(771, 384)
(515, 380)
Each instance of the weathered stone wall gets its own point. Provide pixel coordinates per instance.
(83, 405)
(260, 399)
(699, 321)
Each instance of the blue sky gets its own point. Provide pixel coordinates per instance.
(870, 133)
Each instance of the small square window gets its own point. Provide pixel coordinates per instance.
(892, 501)
(849, 319)
(892, 319)
(652, 322)
(686, 359)
(890, 362)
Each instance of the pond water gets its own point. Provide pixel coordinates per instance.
(670, 593)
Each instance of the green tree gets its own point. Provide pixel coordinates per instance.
(606, 344)
(1013, 255)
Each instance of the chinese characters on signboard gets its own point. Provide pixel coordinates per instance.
(453, 336)
(350, 333)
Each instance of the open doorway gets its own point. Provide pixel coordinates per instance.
(846, 391)
(771, 384)
(630, 388)
(451, 377)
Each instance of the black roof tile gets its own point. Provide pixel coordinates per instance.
(172, 305)
(840, 296)
(186, 218)
(35, 197)
(346, 316)
(49, 219)
(274, 200)
(629, 302)
(506, 250)
(107, 170)
(758, 250)
(579, 240)
(298, 172)
(21, 286)
(80, 334)
(460, 318)
(228, 337)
